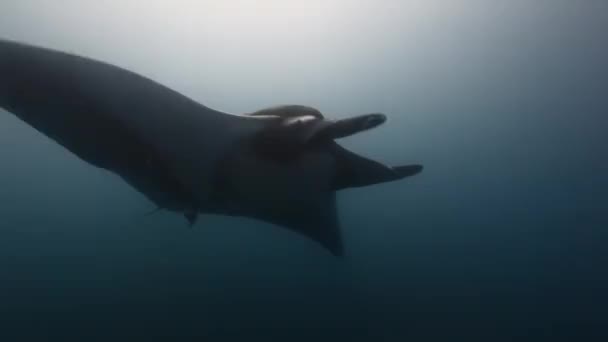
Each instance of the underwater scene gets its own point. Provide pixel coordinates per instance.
(358, 170)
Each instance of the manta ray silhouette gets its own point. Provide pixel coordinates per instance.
(280, 165)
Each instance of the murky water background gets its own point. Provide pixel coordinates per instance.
(501, 238)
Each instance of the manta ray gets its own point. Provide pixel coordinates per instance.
(280, 165)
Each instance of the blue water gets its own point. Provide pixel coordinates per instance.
(502, 237)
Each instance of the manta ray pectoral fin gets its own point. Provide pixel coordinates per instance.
(356, 171)
(161, 142)
(317, 220)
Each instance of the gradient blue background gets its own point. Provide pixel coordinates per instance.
(502, 238)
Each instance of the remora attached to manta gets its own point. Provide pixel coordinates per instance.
(280, 165)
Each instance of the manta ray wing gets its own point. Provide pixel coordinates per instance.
(161, 142)
(318, 221)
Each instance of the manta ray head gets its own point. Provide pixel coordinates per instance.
(289, 173)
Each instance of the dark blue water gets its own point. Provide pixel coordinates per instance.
(502, 237)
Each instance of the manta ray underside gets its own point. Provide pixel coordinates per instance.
(280, 165)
